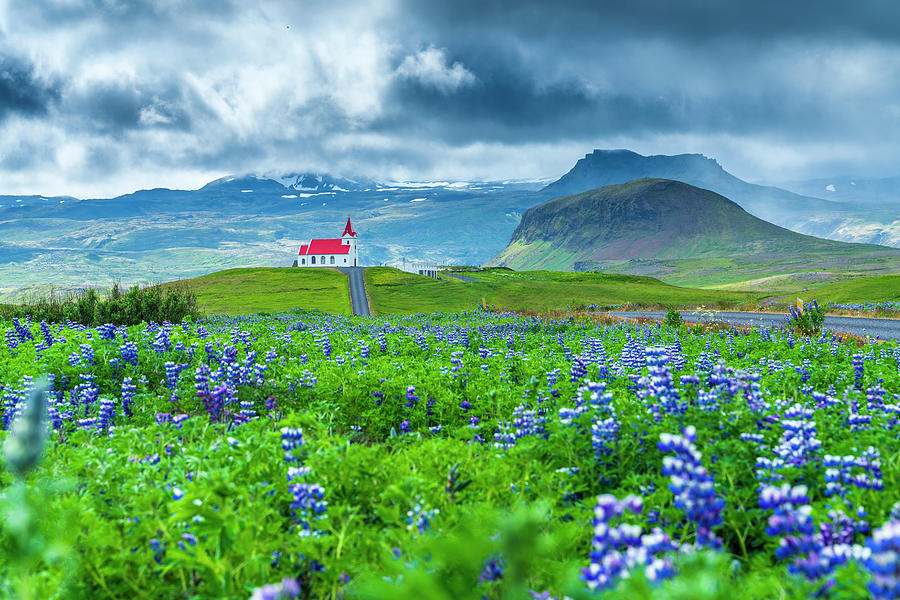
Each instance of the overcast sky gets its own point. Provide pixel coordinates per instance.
(102, 97)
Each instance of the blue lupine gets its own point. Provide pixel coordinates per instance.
(307, 504)
(128, 392)
(492, 570)
(129, 353)
(798, 442)
(288, 588)
(106, 414)
(617, 549)
(419, 518)
(858, 362)
(692, 485)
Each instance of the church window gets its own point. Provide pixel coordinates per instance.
(332, 260)
(313, 259)
(302, 261)
(323, 260)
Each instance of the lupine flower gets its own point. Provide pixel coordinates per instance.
(883, 563)
(291, 440)
(288, 588)
(504, 437)
(617, 549)
(492, 570)
(858, 361)
(798, 442)
(839, 472)
(106, 414)
(692, 485)
(419, 518)
(660, 385)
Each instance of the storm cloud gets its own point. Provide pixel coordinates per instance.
(114, 95)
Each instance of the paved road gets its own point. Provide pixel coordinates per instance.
(885, 329)
(460, 277)
(358, 299)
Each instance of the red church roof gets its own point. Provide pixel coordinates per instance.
(325, 247)
(348, 229)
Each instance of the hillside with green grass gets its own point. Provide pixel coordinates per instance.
(245, 291)
(394, 291)
(677, 232)
(863, 289)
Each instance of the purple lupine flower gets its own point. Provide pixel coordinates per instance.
(246, 414)
(528, 422)
(798, 441)
(419, 517)
(288, 588)
(492, 570)
(882, 563)
(692, 485)
(129, 353)
(106, 414)
(839, 472)
(660, 385)
(504, 437)
(859, 368)
(291, 439)
(617, 549)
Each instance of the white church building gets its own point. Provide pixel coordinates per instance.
(337, 252)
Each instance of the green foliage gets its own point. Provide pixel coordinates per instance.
(173, 304)
(98, 500)
(673, 318)
(807, 319)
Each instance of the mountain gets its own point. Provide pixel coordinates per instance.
(251, 220)
(668, 225)
(845, 221)
(860, 190)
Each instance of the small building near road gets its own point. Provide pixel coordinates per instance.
(331, 252)
(429, 269)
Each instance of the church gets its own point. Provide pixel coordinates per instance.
(336, 252)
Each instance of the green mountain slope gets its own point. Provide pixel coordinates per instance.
(675, 231)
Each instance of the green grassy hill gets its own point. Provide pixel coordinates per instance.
(863, 289)
(677, 232)
(394, 291)
(244, 291)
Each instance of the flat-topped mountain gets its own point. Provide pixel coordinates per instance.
(842, 219)
(656, 219)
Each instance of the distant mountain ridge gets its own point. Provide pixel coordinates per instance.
(845, 221)
(659, 220)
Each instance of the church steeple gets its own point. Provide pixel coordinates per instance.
(348, 230)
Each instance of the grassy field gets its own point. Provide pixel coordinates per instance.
(243, 291)
(393, 291)
(862, 289)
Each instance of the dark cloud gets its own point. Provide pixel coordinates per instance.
(686, 20)
(165, 86)
(114, 106)
(21, 92)
(120, 11)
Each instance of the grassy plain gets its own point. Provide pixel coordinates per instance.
(862, 289)
(244, 291)
(393, 291)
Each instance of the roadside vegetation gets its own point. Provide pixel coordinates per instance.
(173, 304)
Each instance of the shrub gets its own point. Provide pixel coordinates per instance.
(807, 319)
(673, 318)
(174, 304)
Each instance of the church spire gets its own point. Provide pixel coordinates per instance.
(348, 230)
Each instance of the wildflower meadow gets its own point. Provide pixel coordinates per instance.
(476, 455)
